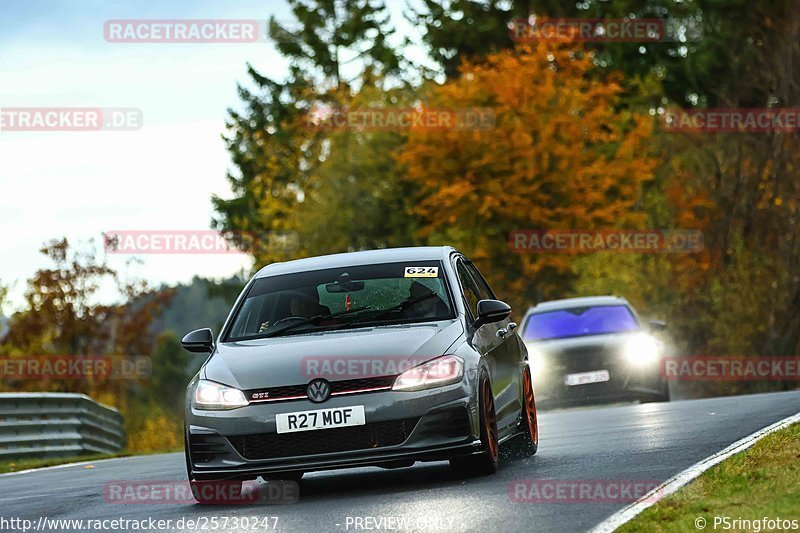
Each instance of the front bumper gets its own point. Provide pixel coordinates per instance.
(401, 427)
(625, 384)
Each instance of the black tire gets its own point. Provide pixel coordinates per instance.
(663, 397)
(526, 444)
(667, 393)
(485, 462)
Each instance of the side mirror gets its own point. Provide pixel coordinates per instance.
(198, 341)
(657, 325)
(491, 311)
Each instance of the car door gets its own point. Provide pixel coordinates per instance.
(485, 339)
(508, 358)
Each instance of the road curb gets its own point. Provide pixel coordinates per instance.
(683, 478)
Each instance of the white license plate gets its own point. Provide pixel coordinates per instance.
(337, 417)
(587, 377)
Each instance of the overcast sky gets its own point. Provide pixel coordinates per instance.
(79, 184)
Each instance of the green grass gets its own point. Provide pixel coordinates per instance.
(26, 464)
(762, 481)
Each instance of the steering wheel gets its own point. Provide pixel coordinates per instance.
(288, 318)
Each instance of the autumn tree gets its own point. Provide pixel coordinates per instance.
(743, 295)
(705, 47)
(560, 156)
(63, 314)
(60, 314)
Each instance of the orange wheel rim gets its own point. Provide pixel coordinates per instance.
(489, 420)
(530, 406)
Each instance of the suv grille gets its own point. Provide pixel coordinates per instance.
(368, 436)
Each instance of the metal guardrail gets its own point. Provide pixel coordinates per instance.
(45, 424)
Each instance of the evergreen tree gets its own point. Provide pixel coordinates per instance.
(278, 153)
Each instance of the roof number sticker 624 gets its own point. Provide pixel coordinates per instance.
(421, 272)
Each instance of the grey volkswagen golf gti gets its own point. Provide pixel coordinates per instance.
(381, 357)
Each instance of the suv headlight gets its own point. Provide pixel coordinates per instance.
(536, 360)
(642, 349)
(441, 371)
(211, 395)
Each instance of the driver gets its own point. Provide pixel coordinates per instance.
(300, 305)
(427, 307)
(303, 306)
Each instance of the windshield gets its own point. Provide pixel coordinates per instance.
(388, 293)
(580, 321)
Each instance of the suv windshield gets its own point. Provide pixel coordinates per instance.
(579, 321)
(388, 293)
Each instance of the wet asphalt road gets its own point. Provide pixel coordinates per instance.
(600, 445)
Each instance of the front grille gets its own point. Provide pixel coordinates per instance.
(348, 386)
(206, 447)
(368, 436)
(457, 423)
(277, 393)
(586, 359)
(354, 385)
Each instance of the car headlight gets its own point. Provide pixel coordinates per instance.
(642, 349)
(437, 373)
(211, 395)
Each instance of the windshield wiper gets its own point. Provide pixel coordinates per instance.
(315, 318)
(402, 305)
(372, 319)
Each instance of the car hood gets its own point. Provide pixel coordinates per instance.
(284, 361)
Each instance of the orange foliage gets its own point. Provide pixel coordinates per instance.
(562, 154)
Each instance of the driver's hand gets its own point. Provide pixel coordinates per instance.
(264, 327)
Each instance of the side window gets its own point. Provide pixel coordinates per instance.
(484, 292)
(471, 293)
